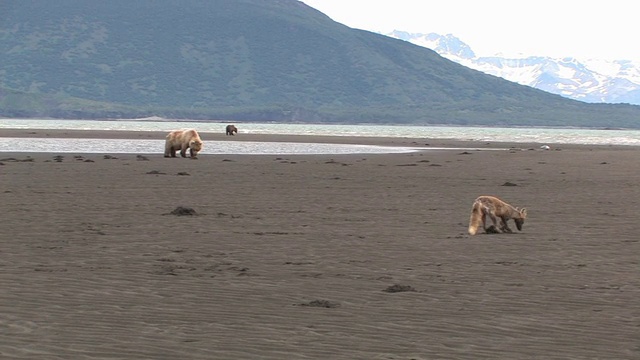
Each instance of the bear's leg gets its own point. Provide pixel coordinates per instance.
(172, 152)
(167, 149)
(194, 154)
(183, 151)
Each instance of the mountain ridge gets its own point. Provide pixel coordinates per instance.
(250, 60)
(589, 80)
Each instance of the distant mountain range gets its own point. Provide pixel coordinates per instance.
(588, 80)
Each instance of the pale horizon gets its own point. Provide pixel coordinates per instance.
(570, 28)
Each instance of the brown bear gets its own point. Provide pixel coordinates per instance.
(231, 129)
(183, 140)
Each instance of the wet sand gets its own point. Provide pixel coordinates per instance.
(318, 256)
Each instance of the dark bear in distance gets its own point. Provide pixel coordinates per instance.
(232, 130)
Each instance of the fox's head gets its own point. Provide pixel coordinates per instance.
(520, 221)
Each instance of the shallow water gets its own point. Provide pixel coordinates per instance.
(488, 134)
(141, 146)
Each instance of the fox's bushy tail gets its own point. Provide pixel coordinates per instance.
(476, 218)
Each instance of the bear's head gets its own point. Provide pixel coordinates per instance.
(195, 146)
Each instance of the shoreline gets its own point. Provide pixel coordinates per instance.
(353, 140)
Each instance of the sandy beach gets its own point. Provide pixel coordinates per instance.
(356, 256)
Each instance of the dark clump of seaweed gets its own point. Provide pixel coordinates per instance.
(183, 211)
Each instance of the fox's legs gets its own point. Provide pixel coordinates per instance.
(505, 227)
(495, 228)
(484, 221)
(494, 220)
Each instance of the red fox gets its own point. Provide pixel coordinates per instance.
(494, 208)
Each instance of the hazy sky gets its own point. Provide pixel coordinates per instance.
(558, 28)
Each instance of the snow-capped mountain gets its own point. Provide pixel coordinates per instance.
(591, 80)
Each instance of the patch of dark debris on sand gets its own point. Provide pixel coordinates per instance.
(183, 211)
(155, 172)
(336, 162)
(399, 288)
(78, 158)
(221, 214)
(286, 161)
(509, 184)
(28, 159)
(60, 158)
(321, 303)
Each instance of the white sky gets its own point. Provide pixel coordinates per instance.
(559, 28)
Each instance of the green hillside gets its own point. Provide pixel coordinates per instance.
(254, 60)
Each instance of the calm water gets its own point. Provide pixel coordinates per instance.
(524, 135)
